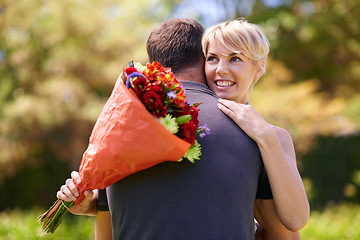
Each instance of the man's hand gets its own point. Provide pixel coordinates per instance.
(69, 193)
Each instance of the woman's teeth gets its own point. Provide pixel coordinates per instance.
(224, 83)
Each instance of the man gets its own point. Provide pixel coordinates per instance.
(211, 199)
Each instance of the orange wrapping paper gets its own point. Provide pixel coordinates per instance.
(126, 139)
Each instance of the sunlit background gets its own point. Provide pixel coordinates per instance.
(59, 61)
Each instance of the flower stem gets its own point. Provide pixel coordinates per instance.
(52, 218)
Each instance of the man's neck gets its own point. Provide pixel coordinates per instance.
(193, 74)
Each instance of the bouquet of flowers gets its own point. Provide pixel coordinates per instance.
(146, 121)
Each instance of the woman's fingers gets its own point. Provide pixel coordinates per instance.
(68, 191)
(65, 194)
(245, 117)
(60, 195)
(72, 187)
(225, 110)
(76, 177)
(230, 104)
(233, 109)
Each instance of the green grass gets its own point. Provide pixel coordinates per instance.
(16, 225)
(341, 222)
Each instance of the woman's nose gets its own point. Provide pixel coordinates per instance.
(222, 68)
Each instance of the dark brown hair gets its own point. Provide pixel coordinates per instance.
(176, 43)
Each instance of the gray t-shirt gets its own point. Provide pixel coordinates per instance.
(212, 198)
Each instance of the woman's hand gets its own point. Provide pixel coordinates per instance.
(246, 118)
(69, 193)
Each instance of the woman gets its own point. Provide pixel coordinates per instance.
(235, 58)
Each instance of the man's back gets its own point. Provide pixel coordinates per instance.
(210, 199)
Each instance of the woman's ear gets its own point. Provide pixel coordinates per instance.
(261, 69)
(258, 74)
(260, 65)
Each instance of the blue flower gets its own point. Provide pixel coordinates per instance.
(132, 75)
(131, 63)
(171, 95)
(206, 129)
(203, 130)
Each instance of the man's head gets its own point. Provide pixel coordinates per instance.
(176, 43)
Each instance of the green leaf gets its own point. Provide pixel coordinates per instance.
(183, 119)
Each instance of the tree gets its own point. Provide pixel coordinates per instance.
(316, 41)
(58, 63)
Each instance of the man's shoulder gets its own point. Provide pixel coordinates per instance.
(197, 88)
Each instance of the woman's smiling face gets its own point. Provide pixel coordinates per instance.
(229, 73)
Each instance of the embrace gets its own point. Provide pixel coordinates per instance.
(247, 169)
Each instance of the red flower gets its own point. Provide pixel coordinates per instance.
(167, 78)
(130, 70)
(152, 69)
(152, 92)
(140, 86)
(189, 130)
(194, 115)
(153, 100)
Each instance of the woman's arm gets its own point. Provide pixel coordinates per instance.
(286, 184)
(270, 226)
(278, 155)
(69, 192)
(103, 227)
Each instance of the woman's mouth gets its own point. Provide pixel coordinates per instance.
(224, 83)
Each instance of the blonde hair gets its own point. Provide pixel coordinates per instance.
(246, 38)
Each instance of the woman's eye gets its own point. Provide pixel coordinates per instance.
(235, 59)
(210, 58)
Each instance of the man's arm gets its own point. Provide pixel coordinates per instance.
(271, 226)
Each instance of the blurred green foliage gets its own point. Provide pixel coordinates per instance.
(317, 39)
(17, 224)
(60, 59)
(59, 62)
(336, 222)
(331, 171)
